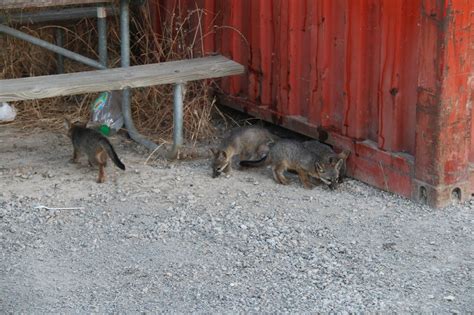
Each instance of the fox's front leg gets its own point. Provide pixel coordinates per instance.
(75, 156)
(304, 179)
(279, 176)
(227, 169)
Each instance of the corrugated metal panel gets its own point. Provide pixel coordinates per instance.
(345, 65)
(349, 66)
(358, 69)
(443, 135)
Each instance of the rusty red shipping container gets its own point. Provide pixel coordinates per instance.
(391, 80)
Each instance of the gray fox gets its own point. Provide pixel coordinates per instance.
(247, 142)
(290, 155)
(330, 159)
(94, 145)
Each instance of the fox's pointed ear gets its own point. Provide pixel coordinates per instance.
(67, 123)
(319, 168)
(344, 154)
(224, 155)
(339, 164)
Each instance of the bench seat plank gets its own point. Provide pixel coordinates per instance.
(117, 78)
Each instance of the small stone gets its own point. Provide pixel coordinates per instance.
(243, 226)
(449, 298)
(271, 241)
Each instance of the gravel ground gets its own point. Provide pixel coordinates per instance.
(166, 237)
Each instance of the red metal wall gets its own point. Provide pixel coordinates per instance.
(387, 78)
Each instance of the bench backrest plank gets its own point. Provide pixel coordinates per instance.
(23, 4)
(117, 78)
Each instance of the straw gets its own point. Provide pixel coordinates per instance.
(151, 107)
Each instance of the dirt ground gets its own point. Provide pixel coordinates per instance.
(166, 237)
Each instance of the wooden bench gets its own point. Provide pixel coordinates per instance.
(177, 72)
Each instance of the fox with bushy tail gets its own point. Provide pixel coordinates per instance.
(91, 143)
(290, 155)
(245, 142)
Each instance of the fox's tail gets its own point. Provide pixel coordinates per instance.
(322, 134)
(263, 161)
(111, 152)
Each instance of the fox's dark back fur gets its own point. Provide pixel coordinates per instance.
(246, 138)
(289, 150)
(324, 151)
(292, 151)
(88, 141)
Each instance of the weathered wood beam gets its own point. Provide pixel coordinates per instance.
(61, 14)
(117, 78)
(23, 4)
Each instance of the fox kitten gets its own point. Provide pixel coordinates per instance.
(91, 143)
